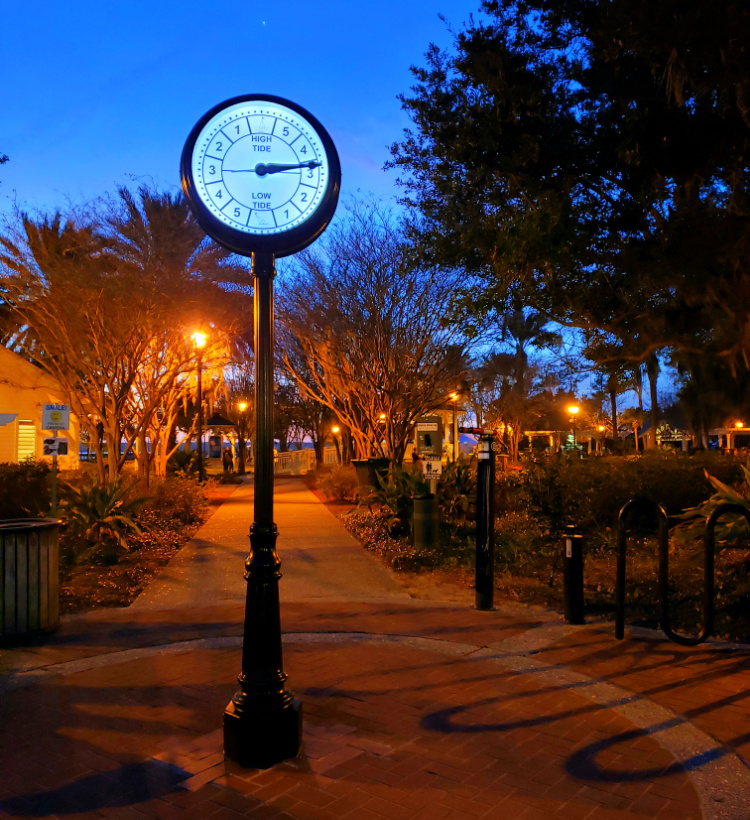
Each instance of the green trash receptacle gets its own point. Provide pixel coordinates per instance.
(29, 579)
(425, 522)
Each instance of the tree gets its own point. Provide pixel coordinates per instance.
(239, 407)
(365, 329)
(591, 158)
(511, 382)
(101, 304)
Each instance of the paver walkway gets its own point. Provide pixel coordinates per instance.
(412, 709)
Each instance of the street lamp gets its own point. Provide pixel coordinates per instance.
(241, 406)
(199, 342)
(601, 429)
(454, 398)
(574, 410)
(335, 430)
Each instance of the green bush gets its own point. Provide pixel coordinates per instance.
(176, 499)
(24, 490)
(456, 490)
(183, 462)
(97, 518)
(590, 492)
(339, 483)
(396, 495)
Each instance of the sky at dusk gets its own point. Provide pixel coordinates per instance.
(98, 94)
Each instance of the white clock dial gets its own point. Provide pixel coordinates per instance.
(260, 167)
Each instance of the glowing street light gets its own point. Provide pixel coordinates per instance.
(199, 342)
(454, 435)
(241, 406)
(574, 410)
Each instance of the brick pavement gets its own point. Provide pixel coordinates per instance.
(411, 710)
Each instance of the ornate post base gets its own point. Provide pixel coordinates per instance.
(263, 721)
(260, 738)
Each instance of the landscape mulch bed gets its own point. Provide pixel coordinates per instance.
(99, 585)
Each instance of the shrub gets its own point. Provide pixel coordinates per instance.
(98, 516)
(590, 492)
(456, 490)
(339, 484)
(176, 499)
(24, 490)
(183, 462)
(396, 494)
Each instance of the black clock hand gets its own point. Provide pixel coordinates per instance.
(273, 168)
(262, 169)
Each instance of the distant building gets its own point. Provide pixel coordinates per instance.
(24, 390)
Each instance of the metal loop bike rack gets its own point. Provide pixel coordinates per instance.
(663, 537)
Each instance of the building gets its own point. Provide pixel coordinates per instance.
(24, 390)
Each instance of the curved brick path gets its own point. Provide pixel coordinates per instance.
(412, 710)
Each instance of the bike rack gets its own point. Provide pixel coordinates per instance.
(663, 536)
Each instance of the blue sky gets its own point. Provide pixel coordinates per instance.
(97, 94)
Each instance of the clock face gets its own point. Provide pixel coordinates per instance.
(261, 174)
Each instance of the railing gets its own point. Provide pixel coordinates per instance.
(294, 462)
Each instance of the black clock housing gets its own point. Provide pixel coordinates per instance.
(283, 243)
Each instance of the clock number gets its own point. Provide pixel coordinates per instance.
(286, 213)
(285, 132)
(310, 174)
(218, 146)
(237, 212)
(304, 196)
(218, 194)
(237, 128)
(211, 169)
(303, 150)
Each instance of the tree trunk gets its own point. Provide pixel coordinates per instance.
(652, 367)
(613, 403)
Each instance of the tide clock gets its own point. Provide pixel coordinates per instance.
(261, 175)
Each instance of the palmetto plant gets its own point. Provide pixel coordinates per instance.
(101, 513)
(729, 527)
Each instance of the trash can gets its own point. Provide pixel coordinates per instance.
(425, 522)
(29, 581)
(368, 470)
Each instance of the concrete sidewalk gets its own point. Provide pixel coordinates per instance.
(412, 709)
(319, 557)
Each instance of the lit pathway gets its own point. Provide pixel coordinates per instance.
(320, 560)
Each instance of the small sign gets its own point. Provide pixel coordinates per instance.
(429, 438)
(431, 470)
(55, 447)
(55, 417)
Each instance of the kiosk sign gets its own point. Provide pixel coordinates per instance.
(430, 437)
(56, 417)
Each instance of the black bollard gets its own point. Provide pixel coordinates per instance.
(573, 578)
(484, 584)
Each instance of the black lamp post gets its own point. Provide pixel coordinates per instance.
(454, 399)
(263, 721)
(199, 340)
(574, 410)
(242, 434)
